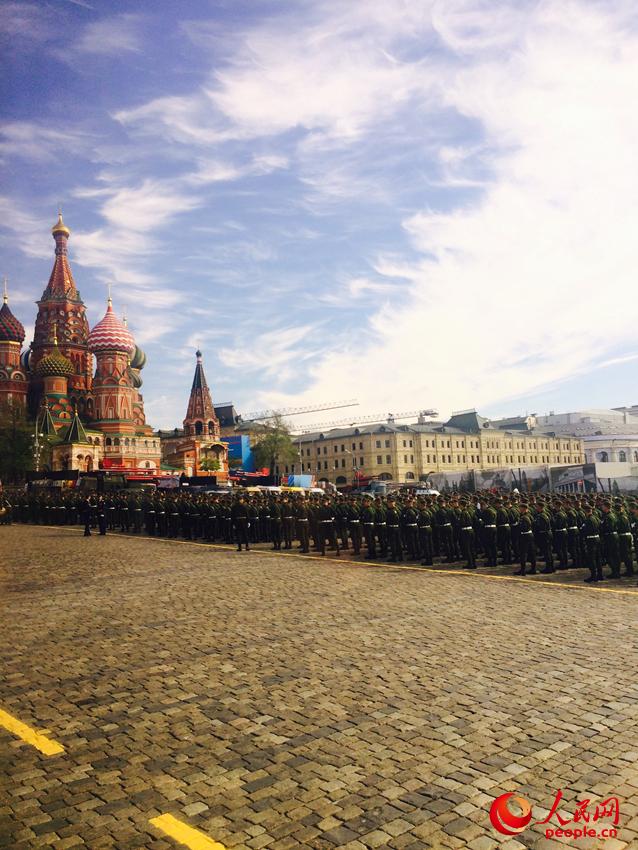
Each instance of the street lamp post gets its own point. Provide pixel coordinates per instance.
(355, 468)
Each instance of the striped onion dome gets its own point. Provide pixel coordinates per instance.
(111, 334)
(11, 330)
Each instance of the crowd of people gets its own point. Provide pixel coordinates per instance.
(561, 531)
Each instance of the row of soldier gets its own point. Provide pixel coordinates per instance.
(561, 530)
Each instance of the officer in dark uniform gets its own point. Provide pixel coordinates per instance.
(239, 516)
(102, 520)
(87, 515)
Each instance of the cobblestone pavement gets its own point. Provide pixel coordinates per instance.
(284, 702)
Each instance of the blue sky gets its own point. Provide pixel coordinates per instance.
(417, 204)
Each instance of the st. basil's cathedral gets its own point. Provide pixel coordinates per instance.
(90, 419)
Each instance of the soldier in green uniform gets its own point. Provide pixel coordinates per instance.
(381, 526)
(504, 532)
(591, 538)
(527, 544)
(425, 522)
(410, 530)
(354, 525)
(393, 525)
(488, 519)
(368, 516)
(303, 524)
(625, 539)
(288, 521)
(609, 535)
(543, 537)
(561, 540)
(466, 520)
(275, 523)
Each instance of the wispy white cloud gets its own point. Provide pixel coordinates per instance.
(111, 36)
(31, 140)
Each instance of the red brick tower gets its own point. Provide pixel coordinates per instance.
(113, 391)
(61, 305)
(13, 382)
(200, 416)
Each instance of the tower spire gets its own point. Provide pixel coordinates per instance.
(200, 415)
(61, 283)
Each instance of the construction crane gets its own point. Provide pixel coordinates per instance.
(298, 411)
(390, 418)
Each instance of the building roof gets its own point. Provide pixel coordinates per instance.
(11, 330)
(75, 433)
(111, 334)
(469, 421)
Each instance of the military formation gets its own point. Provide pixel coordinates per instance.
(542, 532)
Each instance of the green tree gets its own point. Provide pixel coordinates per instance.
(210, 464)
(274, 444)
(16, 443)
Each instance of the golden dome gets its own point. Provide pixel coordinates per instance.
(60, 226)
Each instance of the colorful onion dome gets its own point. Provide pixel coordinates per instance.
(111, 334)
(11, 330)
(136, 378)
(55, 363)
(138, 361)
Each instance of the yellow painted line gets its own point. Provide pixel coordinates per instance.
(383, 566)
(37, 739)
(184, 834)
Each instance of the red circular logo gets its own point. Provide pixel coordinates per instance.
(504, 820)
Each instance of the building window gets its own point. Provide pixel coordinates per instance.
(387, 444)
(360, 461)
(405, 444)
(343, 461)
(378, 444)
(405, 457)
(388, 459)
(325, 464)
(319, 451)
(622, 457)
(325, 451)
(354, 446)
(411, 458)
(360, 447)
(411, 444)
(379, 459)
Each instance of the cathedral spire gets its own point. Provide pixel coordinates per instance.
(61, 283)
(200, 416)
